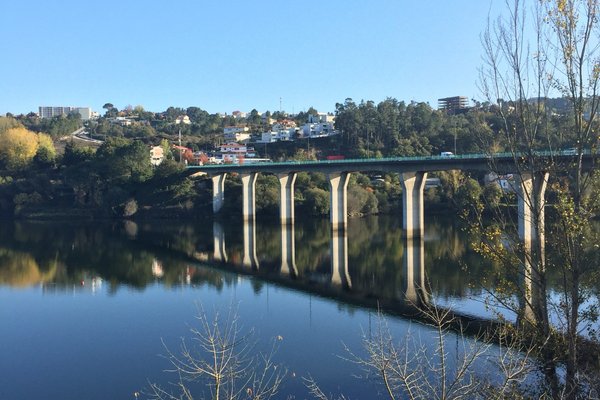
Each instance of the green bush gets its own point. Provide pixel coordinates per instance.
(317, 201)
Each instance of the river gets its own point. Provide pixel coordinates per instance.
(88, 308)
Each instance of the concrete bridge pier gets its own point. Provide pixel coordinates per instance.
(248, 194)
(288, 250)
(340, 276)
(413, 262)
(412, 203)
(219, 253)
(338, 184)
(531, 199)
(218, 181)
(286, 196)
(249, 259)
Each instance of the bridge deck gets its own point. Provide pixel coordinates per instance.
(501, 162)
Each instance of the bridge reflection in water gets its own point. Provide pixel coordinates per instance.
(338, 281)
(530, 185)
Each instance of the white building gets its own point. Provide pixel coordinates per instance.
(50, 112)
(237, 114)
(277, 136)
(320, 129)
(236, 133)
(321, 117)
(183, 119)
(157, 155)
(123, 121)
(280, 131)
(235, 152)
(237, 148)
(266, 120)
(506, 182)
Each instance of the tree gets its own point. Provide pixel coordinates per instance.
(139, 109)
(411, 369)
(75, 155)
(111, 110)
(223, 360)
(46, 152)
(131, 162)
(167, 151)
(173, 112)
(7, 123)
(110, 146)
(254, 117)
(527, 59)
(317, 201)
(18, 146)
(197, 115)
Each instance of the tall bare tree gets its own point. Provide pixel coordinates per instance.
(539, 49)
(223, 360)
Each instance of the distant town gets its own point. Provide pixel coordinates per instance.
(237, 141)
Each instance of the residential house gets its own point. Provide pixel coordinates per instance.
(157, 155)
(320, 129)
(235, 152)
(267, 119)
(506, 182)
(183, 119)
(321, 118)
(123, 121)
(236, 134)
(237, 114)
(284, 130)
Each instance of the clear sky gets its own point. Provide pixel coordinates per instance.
(226, 55)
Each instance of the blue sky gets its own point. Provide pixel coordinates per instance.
(226, 55)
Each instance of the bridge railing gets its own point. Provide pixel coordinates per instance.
(504, 155)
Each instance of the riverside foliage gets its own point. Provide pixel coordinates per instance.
(65, 177)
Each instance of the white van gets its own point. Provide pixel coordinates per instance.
(446, 154)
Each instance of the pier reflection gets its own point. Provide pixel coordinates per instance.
(413, 263)
(288, 250)
(339, 258)
(219, 253)
(249, 259)
(327, 269)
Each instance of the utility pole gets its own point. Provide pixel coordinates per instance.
(368, 152)
(455, 153)
(180, 149)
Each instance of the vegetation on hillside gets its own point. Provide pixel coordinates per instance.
(42, 177)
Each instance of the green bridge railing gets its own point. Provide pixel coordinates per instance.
(457, 157)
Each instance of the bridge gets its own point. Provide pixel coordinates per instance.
(531, 173)
(413, 173)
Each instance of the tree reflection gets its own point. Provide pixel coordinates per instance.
(136, 255)
(21, 269)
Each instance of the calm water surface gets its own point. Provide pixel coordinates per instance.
(84, 306)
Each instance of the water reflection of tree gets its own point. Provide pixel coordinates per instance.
(67, 254)
(20, 269)
(376, 248)
(312, 247)
(375, 253)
